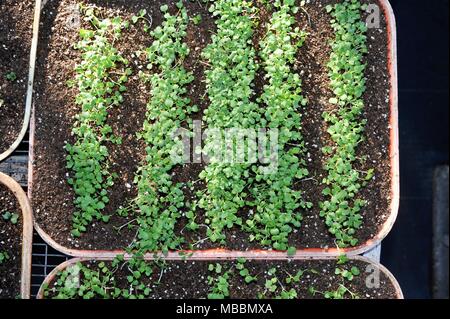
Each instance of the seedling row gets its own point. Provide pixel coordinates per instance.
(241, 279)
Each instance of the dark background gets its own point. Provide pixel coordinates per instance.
(423, 47)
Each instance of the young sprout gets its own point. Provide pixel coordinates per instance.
(348, 274)
(197, 19)
(3, 257)
(342, 260)
(244, 272)
(220, 284)
(11, 76)
(11, 217)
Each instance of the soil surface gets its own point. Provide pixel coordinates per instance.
(189, 280)
(11, 243)
(16, 30)
(55, 108)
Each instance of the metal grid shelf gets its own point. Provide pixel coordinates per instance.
(44, 260)
(16, 166)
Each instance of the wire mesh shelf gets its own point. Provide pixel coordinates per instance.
(44, 260)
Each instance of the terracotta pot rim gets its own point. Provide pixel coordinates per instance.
(51, 277)
(316, 252)
(27, 233)
(30, 84)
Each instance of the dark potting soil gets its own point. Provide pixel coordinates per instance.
(189, 280)
(55, 108)
(11, 243)
(16, 30)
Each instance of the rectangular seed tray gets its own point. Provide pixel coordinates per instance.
(267, 254)
(374, 266)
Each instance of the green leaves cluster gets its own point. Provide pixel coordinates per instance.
(11, 76)
(81, 282)
(229, 83)
(277, 202)
(160, 201)
(347, 275)
(219, 282)
(342, 208)
(3, 256)
(343, 291)
(99, 91)
(244, 272)
(220, 286)
(11, 217)
(98, 281)
(274, 285)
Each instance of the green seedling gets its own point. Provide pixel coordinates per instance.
(11, 217)
(197, 19)
(342, 260)
(219, 283)
(244, 272)
(274, 286)
(11, 76)
(294, 279)
(140, 16)
(342, 292)
(3, 257)
(288, 294)
(348, 274)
